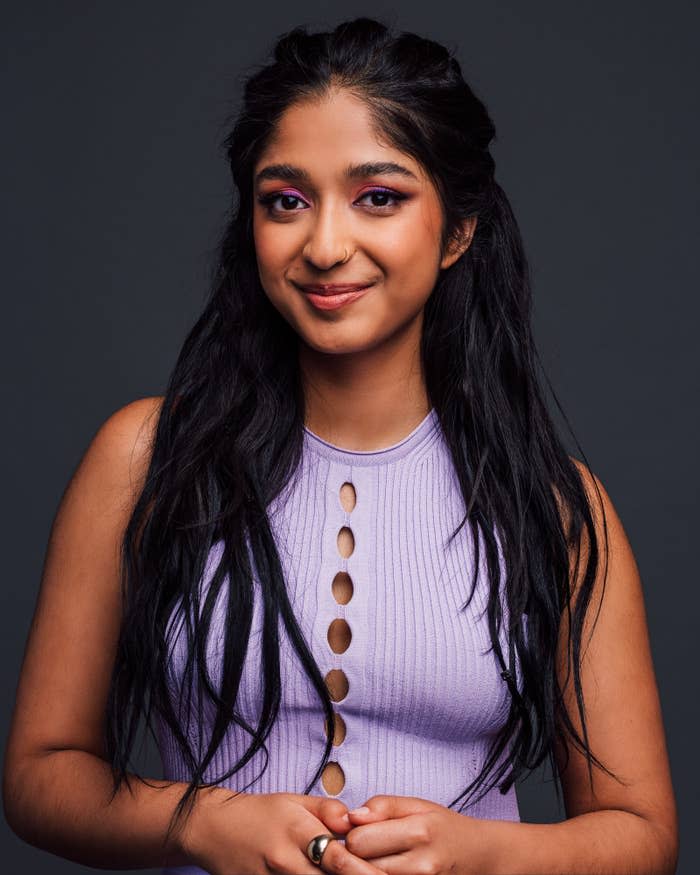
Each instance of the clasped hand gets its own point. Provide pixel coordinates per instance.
(260, 834)
(406, 835)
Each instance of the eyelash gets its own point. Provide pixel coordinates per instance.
(268, 199)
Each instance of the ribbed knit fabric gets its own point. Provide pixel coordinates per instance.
(425, 693)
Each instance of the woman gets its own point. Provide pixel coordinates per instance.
(350, 509)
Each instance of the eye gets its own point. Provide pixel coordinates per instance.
(382, 193)
(267, 200)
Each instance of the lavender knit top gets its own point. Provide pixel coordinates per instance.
(424, 693)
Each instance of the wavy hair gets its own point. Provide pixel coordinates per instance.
(230, 431)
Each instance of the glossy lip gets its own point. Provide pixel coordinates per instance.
(333, 289)
(334, 302)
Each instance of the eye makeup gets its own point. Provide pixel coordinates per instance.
(267, 200)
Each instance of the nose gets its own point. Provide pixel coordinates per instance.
(327, 244)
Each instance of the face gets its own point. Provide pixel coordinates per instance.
(315, 223)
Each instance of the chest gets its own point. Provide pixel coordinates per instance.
(378, 592)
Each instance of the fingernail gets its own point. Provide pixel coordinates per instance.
(362, 810)
(345, 819)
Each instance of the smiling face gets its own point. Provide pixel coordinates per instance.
(316, 223)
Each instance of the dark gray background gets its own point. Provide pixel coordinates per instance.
(115, 192)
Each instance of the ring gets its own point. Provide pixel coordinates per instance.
(316, 847)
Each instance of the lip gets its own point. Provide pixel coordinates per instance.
(333, 288)
(333, 302)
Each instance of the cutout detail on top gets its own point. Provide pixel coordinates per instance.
(348, 497)
(342, 588)
(337, 683)
(346, 542)
(333, 778)
(339, 635)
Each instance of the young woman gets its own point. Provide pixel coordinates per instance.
(345, 560)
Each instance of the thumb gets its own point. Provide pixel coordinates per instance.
(388, 807)
(332, 812)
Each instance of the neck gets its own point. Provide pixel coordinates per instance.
(363, 401)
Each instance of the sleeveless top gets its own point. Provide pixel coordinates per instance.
(423, 691)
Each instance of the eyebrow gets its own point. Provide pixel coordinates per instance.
(290, 173)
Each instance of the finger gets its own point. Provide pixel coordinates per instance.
(332, 812)
(394, 864)
(381, 839)
(387, 807)
(366, 816)
(336, 858)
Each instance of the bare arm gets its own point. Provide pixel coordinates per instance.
(56, 782)
(633, 828)
(60, 805)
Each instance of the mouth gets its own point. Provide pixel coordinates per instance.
(331, 299)
(328, 289)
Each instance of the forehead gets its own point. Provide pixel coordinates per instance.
(333, 137)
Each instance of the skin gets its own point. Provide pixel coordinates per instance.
(360, 365)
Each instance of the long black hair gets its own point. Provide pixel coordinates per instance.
(230, 430)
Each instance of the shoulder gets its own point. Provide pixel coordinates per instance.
(615, 558)
(590, 481)
(120, 451)
(131, 428)
(599, 501)
(608, 525)
(136, 419)
(617, 574)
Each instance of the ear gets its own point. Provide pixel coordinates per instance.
(458, 245)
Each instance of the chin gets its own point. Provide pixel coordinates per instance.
(339, 342)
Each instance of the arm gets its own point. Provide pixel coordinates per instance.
(59, 803)
(56, 783)
(604, 842)
(617, 829)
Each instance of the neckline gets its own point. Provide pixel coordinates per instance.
(424, 433)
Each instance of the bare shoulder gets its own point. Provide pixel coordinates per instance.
(111, 473)
(594, 487)
(618, 582)
(124, 441)
(137, 418)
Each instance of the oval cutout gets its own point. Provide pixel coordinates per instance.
(333, 778)
(339, 635)
(337, 683)
(342, 587)
(348, 497)
(346, 542)
(338, 729)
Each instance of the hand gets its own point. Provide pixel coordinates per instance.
(403, 835)
(266, 833)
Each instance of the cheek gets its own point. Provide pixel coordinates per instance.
(265, 249)
(272, 261)
(410, 247)
(411, 264)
